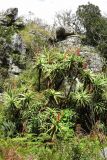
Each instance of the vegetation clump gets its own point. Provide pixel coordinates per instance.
(56, 107)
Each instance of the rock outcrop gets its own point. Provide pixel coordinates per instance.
(93, 58)
(11, 42)
(69, 41)
(10, 17)
(17, 44)
(62, 33)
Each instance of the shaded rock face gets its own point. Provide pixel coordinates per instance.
(9, 17)
(93, 59)
(17, 44)
(62, 33)
(14, 70)
(12, 47)
(19, 51)
(4, 52)
(12, 13)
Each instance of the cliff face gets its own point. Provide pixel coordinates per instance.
(11, 44)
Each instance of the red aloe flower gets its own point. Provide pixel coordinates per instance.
(78, 52)
(58, 117)
(85, 65)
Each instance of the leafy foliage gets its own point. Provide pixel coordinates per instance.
(89, 16)
(56, 100)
